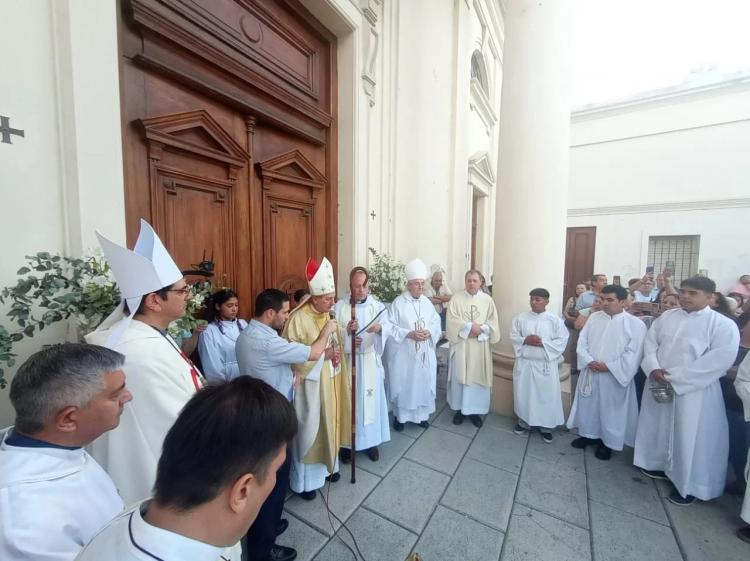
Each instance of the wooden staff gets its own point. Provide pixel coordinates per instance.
(354, 390)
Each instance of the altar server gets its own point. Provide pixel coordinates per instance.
(217, 343)
(610, 349)
(686, 439)
(742, 385)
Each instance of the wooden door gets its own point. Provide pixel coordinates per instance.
(579, 258)
(229, 138)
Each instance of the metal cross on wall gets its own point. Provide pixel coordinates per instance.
(6, 131)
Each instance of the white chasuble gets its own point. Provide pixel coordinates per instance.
(162, 380)
(372, 406)
(605, 404)
(536, 376)
(688, 438)
(412, 365)
(470, 358)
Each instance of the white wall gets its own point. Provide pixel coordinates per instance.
(665, 166)
(64, 178)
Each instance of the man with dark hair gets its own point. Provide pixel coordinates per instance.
(53, 496)
(539, 338)
(201, 507)
(683, 437)
(160, 376)
(263, 354)
(610, 349)
(586, 300)
(371, 329)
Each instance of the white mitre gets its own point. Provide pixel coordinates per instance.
(416, 269)
(146, 269)
(320, 277)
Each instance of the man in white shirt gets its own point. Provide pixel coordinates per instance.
(685, 439)
(53, 496)
(214, 474)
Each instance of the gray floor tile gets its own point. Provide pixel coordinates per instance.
(559, 452)
(501, 422)
(706, 530)
(451, 536)
(440, 406)
(342, 497)
(377, 539)
(445, 422)
(625, 488)
(555, 490)
(439, 449)
(306, 540)
(390, 453)
(498, 448)
(483, 492)
(534, 536)
(408, 494)
(619, 536)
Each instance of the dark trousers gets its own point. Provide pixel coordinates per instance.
(739, 440)
(262, 534)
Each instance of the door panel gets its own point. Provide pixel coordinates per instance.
(579, 258)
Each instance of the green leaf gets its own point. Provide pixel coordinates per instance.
(23, 271)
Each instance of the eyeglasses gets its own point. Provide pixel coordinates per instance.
(185, 290)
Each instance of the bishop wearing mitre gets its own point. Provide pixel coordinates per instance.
(322, 398)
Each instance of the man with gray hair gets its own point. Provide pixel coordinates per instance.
(53, 496)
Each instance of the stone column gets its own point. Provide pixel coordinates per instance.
(532, 191)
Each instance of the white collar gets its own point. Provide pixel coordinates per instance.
(165, 545)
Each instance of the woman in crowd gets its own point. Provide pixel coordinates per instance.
(217, 342)
(569, 311)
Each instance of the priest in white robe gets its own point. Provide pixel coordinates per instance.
(686, 439)
(412, 363)
(539, 339)
(160, 376)
(54, 497)
(323, 396)
(370, 327)
(742, 385)
(610, 349)
(471, 327)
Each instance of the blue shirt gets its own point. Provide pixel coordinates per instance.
(263, 354)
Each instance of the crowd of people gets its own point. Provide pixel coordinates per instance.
(272, 399)
(665, 370)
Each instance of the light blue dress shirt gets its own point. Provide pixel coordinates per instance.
(263, 354)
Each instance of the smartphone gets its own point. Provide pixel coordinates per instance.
(616, 280)
(650, 270)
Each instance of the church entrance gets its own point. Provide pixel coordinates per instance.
(229, 136)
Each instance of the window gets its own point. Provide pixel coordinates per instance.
(679, 251)
(479, 71)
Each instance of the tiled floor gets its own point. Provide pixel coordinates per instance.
(457, 493)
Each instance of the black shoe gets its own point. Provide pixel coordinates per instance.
(458, 418)
(547, 437)
(307, 495)
(581, 442)
(744, 534)
(654, 474)
(373, 453)
(518, 429)
(334, 477)
(424, 424)
(603, 452)
(397, 426)
(679, 500)
(345, 455)
(476, 420)
(281, 553)
(282, 526)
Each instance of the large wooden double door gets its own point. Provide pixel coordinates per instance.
(228, 114)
